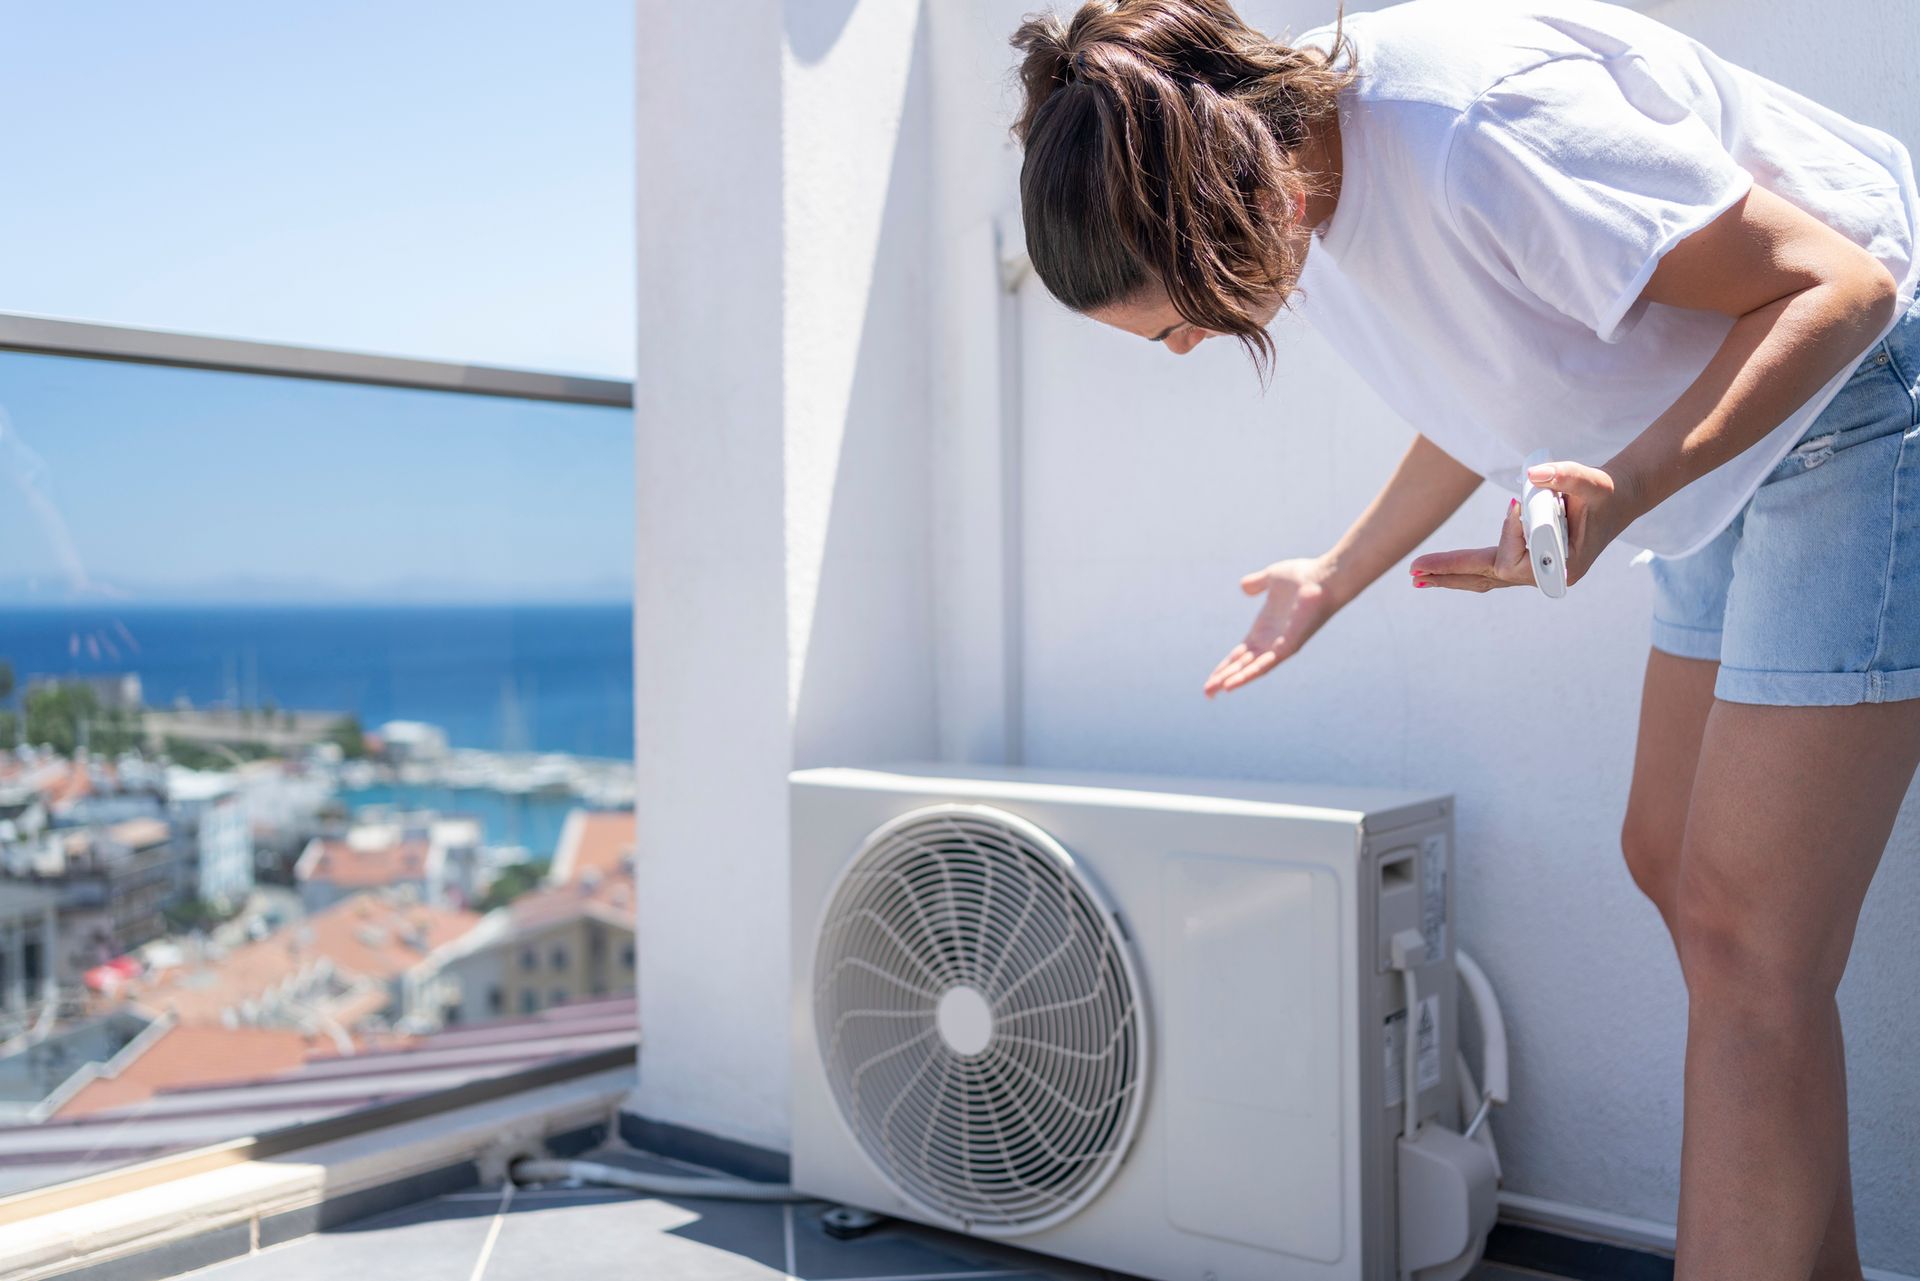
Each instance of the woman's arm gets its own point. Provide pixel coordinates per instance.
(1427, 487)
(1806, 302)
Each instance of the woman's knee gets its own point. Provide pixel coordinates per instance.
(1737, 959)
(1653, 860)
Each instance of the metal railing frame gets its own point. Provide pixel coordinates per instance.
(50, 336)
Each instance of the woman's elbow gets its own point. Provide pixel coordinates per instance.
(1872, 293)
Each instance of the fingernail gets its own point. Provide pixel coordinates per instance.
(1515, 503)
(1540, 473)
(1423, 584)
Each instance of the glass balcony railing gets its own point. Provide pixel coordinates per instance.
(316, 719)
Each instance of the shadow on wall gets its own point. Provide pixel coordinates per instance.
(866, 691)
(814, 27)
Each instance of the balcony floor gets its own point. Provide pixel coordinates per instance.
(585, 1234)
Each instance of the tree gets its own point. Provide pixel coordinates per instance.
(58, 716)
(66, 717)
(9, 729)
(6, 680)
(514, 880)
(117, 731)
(347, 734)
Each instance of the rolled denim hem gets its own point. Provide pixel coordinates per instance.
(1686, 642)
(1815, 689)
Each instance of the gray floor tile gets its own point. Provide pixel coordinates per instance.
(586, 1240)
(895, 1248)
(892, 1249)
(433, 1241)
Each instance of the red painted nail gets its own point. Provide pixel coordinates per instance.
(1423, 584)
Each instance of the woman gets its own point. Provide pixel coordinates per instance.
(1563, 225)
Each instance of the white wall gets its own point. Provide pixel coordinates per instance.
(782, 612)
(819, 501)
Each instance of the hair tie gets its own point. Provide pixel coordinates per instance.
(1076, 65)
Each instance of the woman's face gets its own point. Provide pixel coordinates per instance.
(1152, 316)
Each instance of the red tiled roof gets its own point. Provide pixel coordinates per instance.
(369, 936)
(68, 783)
(595, 841)
(139, 833)
(340, 863)
(187, 1115)
(608, 896)
(191, 1056)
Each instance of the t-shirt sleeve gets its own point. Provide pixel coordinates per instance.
(1575, 176)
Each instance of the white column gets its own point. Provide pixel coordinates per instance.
(781, 606)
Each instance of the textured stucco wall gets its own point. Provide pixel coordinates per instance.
(820, 550)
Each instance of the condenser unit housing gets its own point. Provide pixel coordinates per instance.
(1147, 1023)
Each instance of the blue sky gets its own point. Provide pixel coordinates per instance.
(423, 178)
(130, 482)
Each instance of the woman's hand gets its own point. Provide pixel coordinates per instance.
(1596, 513)
(1298, 602)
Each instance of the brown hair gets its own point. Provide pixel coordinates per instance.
(1154, 130)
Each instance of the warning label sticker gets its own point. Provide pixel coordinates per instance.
(1428, 1063)
(1433, 895)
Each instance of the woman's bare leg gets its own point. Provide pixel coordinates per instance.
(1789, 814)
(1674, 703)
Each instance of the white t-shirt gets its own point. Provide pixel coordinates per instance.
(1512, 173)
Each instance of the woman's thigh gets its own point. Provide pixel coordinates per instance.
(1789, 813)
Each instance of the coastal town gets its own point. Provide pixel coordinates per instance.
(193, 898)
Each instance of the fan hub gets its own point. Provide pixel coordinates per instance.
(965, 1019)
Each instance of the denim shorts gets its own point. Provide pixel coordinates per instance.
(1811, 597)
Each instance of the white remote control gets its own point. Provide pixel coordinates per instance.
(1543, 513)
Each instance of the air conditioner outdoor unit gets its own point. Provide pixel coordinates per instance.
(1150, 1024)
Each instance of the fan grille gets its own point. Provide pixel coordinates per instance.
(979, 1019)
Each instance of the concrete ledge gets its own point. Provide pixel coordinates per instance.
(219, 1214)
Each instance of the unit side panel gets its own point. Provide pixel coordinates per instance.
(1255, 1080)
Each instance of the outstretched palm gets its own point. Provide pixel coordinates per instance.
(1296, 606)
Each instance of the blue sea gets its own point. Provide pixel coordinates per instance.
(542, 678)
(533, 822)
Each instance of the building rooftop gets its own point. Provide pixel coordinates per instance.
(357, 866)
(257, 1097)
(182, 1055)
(368, 936)
(594, 841)
(609, 899)
(140, 833)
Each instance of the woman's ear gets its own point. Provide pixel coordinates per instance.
(1283, 207)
